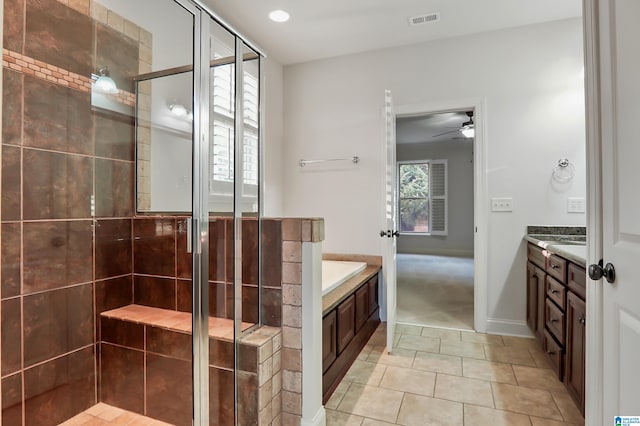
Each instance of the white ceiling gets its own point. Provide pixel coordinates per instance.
(427, 128)
(326, 28)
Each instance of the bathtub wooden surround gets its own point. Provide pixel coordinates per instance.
(350, 315)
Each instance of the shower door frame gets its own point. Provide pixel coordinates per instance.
(203, 17)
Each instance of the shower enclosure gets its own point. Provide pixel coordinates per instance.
(131, 232)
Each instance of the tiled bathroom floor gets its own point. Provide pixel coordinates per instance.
(106, 415)
(447, 377)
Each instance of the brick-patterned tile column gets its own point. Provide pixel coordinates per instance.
(295, 233)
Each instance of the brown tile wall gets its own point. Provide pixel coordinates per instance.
(162, 267)
(60, 258)
(147, 369)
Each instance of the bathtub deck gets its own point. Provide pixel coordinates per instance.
(337, 295)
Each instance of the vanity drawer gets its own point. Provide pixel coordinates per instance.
(557, 268)
(554, 353)
(577, 280)
(556, 292)
(555, 321)
(536, 255)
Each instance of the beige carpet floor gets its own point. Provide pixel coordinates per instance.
(435, 291)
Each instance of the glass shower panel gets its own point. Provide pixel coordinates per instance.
(145, 330)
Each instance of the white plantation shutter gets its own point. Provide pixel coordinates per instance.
(438, 207)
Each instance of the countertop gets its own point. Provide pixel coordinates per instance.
(576, 253)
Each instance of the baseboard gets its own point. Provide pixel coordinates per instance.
(440, 252)
(508, 327)
(320, 419)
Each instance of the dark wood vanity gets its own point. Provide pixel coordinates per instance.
(556, 313)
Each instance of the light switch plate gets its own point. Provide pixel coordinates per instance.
(576, 205)
(504, 204)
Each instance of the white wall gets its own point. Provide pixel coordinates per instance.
(459, 240)
(530, 80)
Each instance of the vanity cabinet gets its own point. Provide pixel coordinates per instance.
(556, 314)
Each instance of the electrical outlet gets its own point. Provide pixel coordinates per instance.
(502, 204)
(575, 205)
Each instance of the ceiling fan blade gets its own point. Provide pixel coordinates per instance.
(445, 133)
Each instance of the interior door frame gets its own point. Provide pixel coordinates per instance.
(594, 403)
(480, 194)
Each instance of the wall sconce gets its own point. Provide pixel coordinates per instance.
(180, 111)
(104, 83)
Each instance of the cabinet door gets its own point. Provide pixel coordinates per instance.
(532, 297)
(542, 296)
(576, 331)
(362, 306)
(329, 351)
(346, 315)
(373, 294)
(556, 321)
(577, 280)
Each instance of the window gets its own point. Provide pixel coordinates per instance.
(222, 155)
(422, 197)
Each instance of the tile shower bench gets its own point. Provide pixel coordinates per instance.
(145, 365)
(350, 316)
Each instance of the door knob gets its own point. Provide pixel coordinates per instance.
(389, 233)
(597, 271)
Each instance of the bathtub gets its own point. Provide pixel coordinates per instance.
(335, 272)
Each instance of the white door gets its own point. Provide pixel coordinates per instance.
(618, 35)
(389, 221)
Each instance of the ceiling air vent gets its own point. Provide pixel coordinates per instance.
(424, 19)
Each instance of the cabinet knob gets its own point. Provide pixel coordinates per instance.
(554, 267)
(582, 320)
(554, 292)
(551, 353)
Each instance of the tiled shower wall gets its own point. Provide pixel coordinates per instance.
(62, 166)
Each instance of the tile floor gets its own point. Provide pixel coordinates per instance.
(448, 377)
(103, 414)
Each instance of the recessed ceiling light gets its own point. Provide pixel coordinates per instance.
(279, 16)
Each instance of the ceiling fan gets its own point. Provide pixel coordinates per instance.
(467, 128)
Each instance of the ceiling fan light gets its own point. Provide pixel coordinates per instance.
(468, 131)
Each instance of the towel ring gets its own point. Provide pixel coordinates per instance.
(564, 171)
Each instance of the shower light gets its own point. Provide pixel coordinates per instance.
(279, 16)
(104, 83)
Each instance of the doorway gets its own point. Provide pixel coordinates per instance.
(435, 182)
